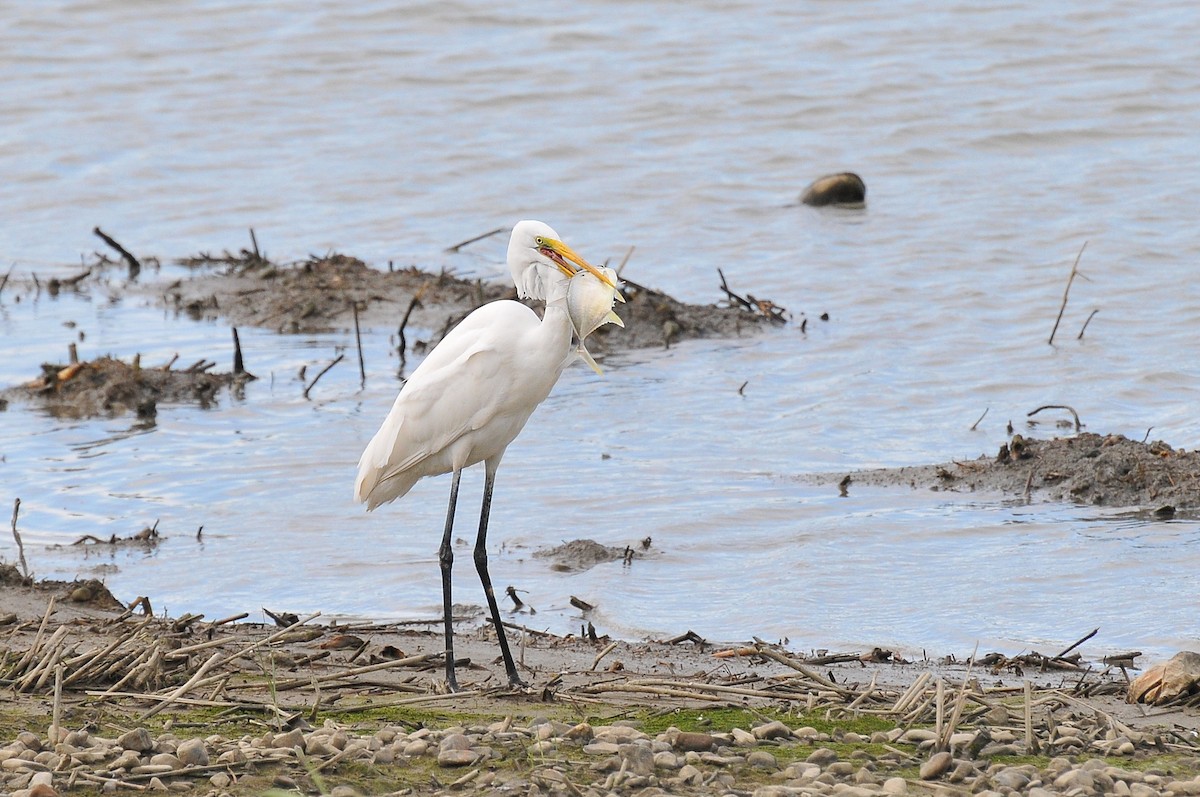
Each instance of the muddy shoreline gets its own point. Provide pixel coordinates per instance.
(1086, 468)
(106, 698)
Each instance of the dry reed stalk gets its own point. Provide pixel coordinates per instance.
(858, 701)
(299, 683)
(912, 692)
(800, 668)
(1031, 745)
(939, 725)
(119, 784)
(56, 714)
(37, 640)
(84, 664)
(664, 692)
(204, 668)
(608, 649)
(139, 658)
(405, 701)
(32, 673)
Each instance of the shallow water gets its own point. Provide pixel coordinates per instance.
(994, 142)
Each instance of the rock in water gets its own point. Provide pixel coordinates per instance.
(846, 188)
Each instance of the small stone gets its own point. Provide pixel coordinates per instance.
(918, 735)
(453, 757)
(220, 780)
(78, 739)
(601, 748)
(665, 759)
(638, 759)
(822, 756)
(416, 748)
(344, 790)
(156, 784)
(1011, 778)
(192, 753)
(936, 766)
(841, 769)
(743, 738)
(699, 742)
(234, 756)
(1075, 779)
(761, 759)
(895, 786)
(169, 760)
(581, 732)
(293, 738)
(689, 776)
(42, 789)
(137, 740)
(772, 730)
(617, 734)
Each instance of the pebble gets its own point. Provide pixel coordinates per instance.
(761, 759)
(822, 756)
(630, 760)
(936, 766)
(456, 758)
(137, 740)
(771, 730)
(192, 753)
(699, 742)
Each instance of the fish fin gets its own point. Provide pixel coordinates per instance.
(613, 318)
(586, 356)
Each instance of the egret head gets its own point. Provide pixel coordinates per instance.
(538, 259)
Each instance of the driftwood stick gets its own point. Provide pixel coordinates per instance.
(403, 345)
(134, 265)
(324, 371)
(477, 238)
(239, 366)
(254, 243)
(608, 649)
(800, 668)
(733, 296)
(1085, 324)
(20, 546)
(1078, 642)
(362, 368)
(1066, 291)
(975, 425)
(1074, 414)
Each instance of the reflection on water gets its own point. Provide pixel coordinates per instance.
(994, 142)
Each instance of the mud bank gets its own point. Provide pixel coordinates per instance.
(1103, 470)
(323, 294)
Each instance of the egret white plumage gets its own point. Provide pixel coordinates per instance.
(471, 397)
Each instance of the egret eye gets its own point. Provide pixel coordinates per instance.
(540, 241)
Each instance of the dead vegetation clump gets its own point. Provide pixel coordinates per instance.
(1102, 470)
(107, 386)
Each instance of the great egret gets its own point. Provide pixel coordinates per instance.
(472, 396)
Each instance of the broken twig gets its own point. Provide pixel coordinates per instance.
(324, 371)
(1066, 291)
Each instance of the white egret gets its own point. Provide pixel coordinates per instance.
(472, 396)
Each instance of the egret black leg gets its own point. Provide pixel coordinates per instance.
(446, 559)
(481, 566)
